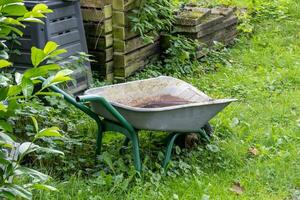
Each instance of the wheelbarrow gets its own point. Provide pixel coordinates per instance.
(160, 104)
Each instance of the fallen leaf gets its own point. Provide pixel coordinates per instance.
(253, 151)
(237, 188)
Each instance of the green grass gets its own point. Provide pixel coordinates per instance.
(264, 74)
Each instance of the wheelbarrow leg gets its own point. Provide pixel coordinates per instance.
(136, 152)
(170, 143)
(99, 138)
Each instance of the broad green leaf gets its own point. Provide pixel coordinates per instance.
(14, 10)
(4, 63)
(50, 47)
(27, 87)
(44, 187)
(6, 126)
(37, 56)
(49, 132)
(18, 78)
(6, 138)
(14, 90)
(3, 53)
(107, 159)
(41, 8)
(59, 77)
(49, 150)
(35, 123)
(3, 108)
(27, 147)
(32, 19)
(33, 173)
(4, 82)
(58, 52)
(21, 192)
(4, 93)
(5, 2)
(12, 21)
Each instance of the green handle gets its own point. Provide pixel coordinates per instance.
(108, 107)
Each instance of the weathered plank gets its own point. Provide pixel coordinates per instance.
(136, 66)
(121, 18)
(98, 29)
(96, 15)
(223, 11)
(209, 21)
(102, 56)
(100, 43)
(191, 16)
(125, 60)
(105, 68)
(203, 32)
(124, 5)
(130, 45)
(123, 33)
(94, 3)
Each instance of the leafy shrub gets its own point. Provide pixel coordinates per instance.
(151, 17)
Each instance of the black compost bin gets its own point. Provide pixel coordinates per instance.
(63, 26)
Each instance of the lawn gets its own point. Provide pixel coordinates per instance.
(255, 152)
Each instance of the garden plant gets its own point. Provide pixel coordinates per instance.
(253, 153)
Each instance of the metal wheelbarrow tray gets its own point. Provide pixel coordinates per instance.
(163, 104)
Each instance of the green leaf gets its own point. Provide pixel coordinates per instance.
(44, 187)
(37, 56)
(50, 47)
(4, 63)
(4, 93)
(40, 71)
(6, 138)
(35, 123)
(3, 108)
(33, 173)
(6, 126)
(32, 19)
(18, 78)
(49, 132)
(27, 87)
(19, 191)
(14, 90)
(107, 159)
(14, 10)
(27, 147)
(40, 8)
(49, 150)
(58, 52)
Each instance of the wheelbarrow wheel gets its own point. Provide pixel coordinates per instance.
(192, 139)
(208, 129)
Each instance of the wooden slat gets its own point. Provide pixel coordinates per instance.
(96, 15)
(120, 18)
(102, 56)
(136, 66)
(125, 60)
(100, 43)
(123, 33)
(98, 29)
(211, 21)
(130, 45)
(94, 3)
(124, 5)
(105, 68)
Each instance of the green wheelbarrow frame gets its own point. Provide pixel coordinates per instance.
(122, 126)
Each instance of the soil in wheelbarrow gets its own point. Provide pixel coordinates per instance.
(161, 101)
